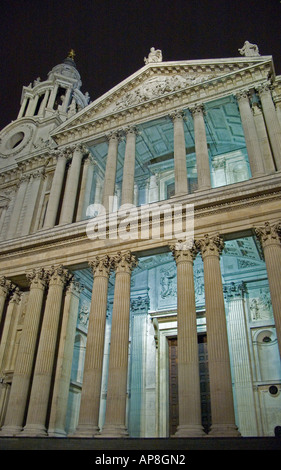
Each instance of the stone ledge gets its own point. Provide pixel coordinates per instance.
(141, 444)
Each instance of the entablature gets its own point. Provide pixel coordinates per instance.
(226, 210)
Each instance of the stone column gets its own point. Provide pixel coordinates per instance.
(33, 194)
(16, 212)
(115, 418)
(40, 391)
(9, 329)
(129, 168)
(56, 189)
(223, 419)
(269, 236)
(25, 357)
(110, 171)
(64, 360)
(181, 186)
(91, 388)
(272, 122)
(263, 139)
(190, 423)
(5, 287)
(86, 185)
(71, 188)
(250, 133)
(201, 148)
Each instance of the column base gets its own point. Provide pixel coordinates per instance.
(85, 431)
(224, 430)
(10, 431)
(34, 430)
(190, 430)
(56, 433)
(111, 430)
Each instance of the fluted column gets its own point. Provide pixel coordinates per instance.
(16, 212)
(56, 189)
(9, 329)
(181, 186)
(223, 419)
(250, 133)
(115, 418)
(129, 167)
(272, 123)
(190, 423)
(269, 235)
(25, 357)
(5, 287)
(64, 360)
(40, 391)
(91, 388)
(71, 188)
(110, 171)
(85, 189)
(268, 162)
(201, 148)
(33, 194)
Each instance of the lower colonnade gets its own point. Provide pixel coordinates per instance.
(37, 403)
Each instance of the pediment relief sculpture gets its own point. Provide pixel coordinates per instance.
(158, 86)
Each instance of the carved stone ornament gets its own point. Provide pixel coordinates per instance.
(269, 234)
(101, 265)
(249, 50)
(210, 246)
(58, 275)
(124, 262)
(154, 56)
(158, 86)
(37, 278)
(184, 251)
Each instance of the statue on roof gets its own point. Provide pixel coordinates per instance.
(155, 55)
(249, 50)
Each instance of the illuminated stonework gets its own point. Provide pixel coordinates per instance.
(108, 336)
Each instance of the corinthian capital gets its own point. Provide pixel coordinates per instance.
(269, 234)
(197, 109)
(184, 251)
(124, 262)
(58, 275)
(5, 285)
(101, 265)
(37, 278)
(210, 246)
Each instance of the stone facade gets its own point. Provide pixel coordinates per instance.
(96, 276)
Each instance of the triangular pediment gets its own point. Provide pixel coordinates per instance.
(157, 80)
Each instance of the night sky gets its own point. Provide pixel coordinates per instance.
(111, 38)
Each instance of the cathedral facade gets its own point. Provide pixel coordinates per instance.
(140, 253)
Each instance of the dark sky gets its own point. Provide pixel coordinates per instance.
(111, 38)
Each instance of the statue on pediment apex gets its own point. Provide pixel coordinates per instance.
(249, 50)
(155, 55)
